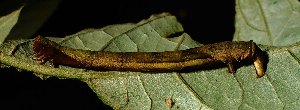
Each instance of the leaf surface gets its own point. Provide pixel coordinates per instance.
(202, 89)
(269, 22)
(7, 23)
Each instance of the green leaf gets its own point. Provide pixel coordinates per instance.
(269, 22)
(7, 23)
(143, 36)
(148, 35)
(202, 89)
(32, 18)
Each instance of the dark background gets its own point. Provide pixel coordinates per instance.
(205, 21)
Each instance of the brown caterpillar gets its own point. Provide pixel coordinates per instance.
(223, 52)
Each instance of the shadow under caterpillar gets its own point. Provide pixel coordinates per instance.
(226, 52)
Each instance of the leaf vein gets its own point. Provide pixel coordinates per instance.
(269, 34)
(247, 21)
(190, 88)
(286, 22)
(242, 90)
(143, 85)
(268, 79)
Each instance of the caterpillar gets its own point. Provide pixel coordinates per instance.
(229, 53)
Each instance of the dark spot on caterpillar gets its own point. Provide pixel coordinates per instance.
(229, 53)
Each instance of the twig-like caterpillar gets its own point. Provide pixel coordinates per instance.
(223, 52)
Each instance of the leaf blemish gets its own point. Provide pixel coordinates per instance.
(169, 102)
